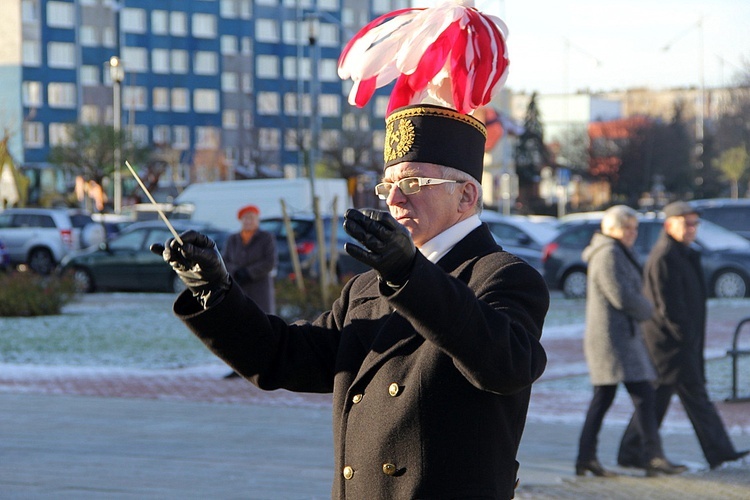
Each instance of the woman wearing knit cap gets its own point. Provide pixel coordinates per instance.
(250, 257)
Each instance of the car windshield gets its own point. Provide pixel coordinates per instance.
(713, 237)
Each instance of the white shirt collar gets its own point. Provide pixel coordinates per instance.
(437, 247)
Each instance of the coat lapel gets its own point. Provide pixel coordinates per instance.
(397, 335)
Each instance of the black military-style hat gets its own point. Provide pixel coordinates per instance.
(434, 134)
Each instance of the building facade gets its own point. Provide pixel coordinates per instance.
(238, 88)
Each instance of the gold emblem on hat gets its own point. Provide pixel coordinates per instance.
(398, 141)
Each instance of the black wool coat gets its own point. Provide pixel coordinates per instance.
(676, 333)
(431, 383)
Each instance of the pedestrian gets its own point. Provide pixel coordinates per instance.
(430, 355)
(675, 337)
(251, 259)
(613, 342)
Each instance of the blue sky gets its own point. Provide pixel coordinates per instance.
(563, 46)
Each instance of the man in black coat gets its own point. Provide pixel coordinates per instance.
(430, 356)
(675, 336)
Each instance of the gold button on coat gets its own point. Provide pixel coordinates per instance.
(393, 389)
(348, 472)
(389, 469)
(357, 398)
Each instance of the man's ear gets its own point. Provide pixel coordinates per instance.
(469, 195)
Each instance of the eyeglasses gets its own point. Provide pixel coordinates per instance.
(409, 185)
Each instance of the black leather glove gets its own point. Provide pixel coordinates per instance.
(241, 276)
(389, 248)
(198, 263)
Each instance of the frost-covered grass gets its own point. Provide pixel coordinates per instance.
(118, 329)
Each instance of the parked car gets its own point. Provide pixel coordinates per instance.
(4, 258)
(125, 263)
(725, 256)
(40, 237)
(731, 214)
(306, 240)
(520, 235)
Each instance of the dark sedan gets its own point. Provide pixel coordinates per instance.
(306, 241)
(126, 264)
(725, 256)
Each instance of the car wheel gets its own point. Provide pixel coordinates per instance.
(574, 284)
(178, 286)
(730, 285)
(41, 261)
(82, 279)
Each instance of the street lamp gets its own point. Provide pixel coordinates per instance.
(117, 74)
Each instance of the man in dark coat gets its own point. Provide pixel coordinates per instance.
(430, 355)
(675, 337)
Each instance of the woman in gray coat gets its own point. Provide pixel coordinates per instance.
(613, 341)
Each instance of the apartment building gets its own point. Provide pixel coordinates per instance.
(249, 84)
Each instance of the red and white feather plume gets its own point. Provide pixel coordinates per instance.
(450, 55)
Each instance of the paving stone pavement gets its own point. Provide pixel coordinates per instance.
(102, 433)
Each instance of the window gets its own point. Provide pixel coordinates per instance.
(160, 61)
(206, 138)
(267, 67)
(109, 38)
(88, 36)
(206, 63)
(228, 45)
(134, 98)
(177, 23)
(135, 59)
(270, 3)
(179, 61)
(247, 83)
(266, 30)
(228, 9)
(332, 5)
(291, 32)
(33, 134)
(89, 114)
(269, 139)
(180, 100)
(139, 134)
(290, 104)
(349, 122)
(247, 119)
(292, 65)
(61, 55)
(230, 119)
(328, 70)
(229, 82)
(246, 9)
(181, 137)
(32, 55)
(290, 140)
(381, 106)
(328, 35)
(159, 22)
(247, 46)
(31, 93)
(60, 15)
(89, 75)
(329, 105)
(61, 95)
(160, 99)
(58, 134)
(161, 134)
(204, 26)
(305, 4)
(29, 12)
(206, 101)
(133, 20)
(268, 103)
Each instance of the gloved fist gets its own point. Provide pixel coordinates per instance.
(198, 263)
(389, 248)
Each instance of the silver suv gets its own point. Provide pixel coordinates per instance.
(40, 237)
